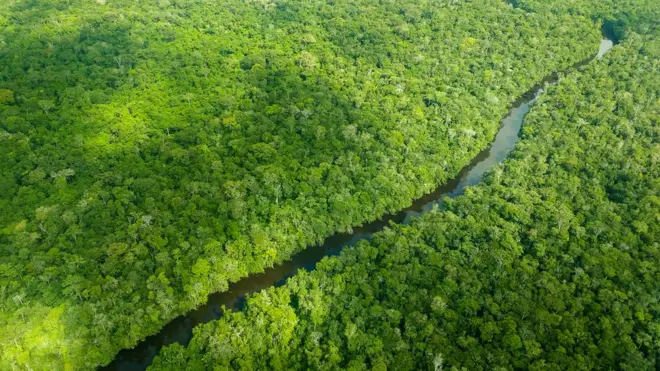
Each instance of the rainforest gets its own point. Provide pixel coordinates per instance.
(434, 184)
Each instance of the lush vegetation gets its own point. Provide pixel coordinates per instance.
(617, 16)
(550, 264)
(151, 152)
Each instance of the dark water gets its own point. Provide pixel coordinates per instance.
(180, 329)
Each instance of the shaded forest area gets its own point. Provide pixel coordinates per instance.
(550, 264)
(152, 152)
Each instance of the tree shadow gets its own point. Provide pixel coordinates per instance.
(151, 157)
(116, 175)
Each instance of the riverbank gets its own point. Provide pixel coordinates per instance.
(550, 263)
(181, 329)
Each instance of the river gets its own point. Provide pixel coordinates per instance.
(180, 329)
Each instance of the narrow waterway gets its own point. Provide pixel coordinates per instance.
(180, 329)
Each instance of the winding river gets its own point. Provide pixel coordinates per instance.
(180, 329)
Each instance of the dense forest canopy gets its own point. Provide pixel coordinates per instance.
(153, 152)
(551, 264)
(618, 16)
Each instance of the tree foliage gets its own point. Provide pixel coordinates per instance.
(152, 152)
(550, 264)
